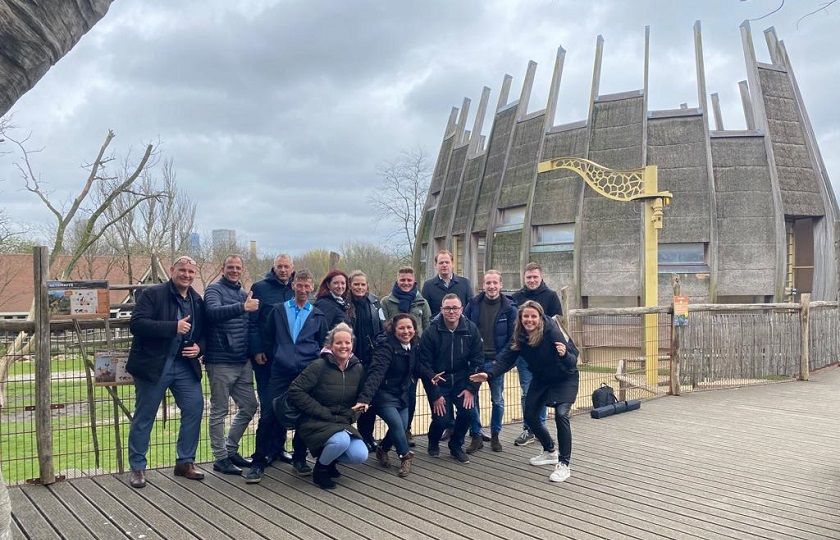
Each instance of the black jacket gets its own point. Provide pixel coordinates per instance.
(544, 296)
(325, 395)
(505, 319)
(392, 372)
(363, 345)
(154, 325)
(227, 337)
(268, 291)
(548, 368)
(333, 311)
(434, 290)
(458, 354)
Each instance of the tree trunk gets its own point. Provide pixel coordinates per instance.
(35, 35)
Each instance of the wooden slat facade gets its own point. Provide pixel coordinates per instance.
(755, 462)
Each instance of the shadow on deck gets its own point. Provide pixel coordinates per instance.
(757, 462)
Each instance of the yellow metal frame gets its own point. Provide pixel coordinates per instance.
(625, 186)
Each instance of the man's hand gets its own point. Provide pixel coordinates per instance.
(439, 406)
(561, 348)
(438, 378)
(191, 352)
(260, 358)
(479, 377)
(184, 325)
(469, 401)
(251, 303)
(360, 407)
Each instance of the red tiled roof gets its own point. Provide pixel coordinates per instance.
(17, 283)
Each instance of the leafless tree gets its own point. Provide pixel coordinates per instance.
(379, 265)
(404, 184)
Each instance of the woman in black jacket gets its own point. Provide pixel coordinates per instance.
(327, 396)
(333, 298)
(366, 326)
(552, 358)
(390, 380)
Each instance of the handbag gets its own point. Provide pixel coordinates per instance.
(285, 413)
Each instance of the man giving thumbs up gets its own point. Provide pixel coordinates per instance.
(168, 325)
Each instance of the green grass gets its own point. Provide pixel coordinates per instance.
(586, 368)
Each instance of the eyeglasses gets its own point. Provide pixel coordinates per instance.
(451, 309)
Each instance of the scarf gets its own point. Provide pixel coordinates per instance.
(404, 299)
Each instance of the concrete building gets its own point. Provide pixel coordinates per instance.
(223, 238)
(753, 218)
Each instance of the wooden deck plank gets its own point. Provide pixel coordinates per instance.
(29, 519)
(754, 462)
(57, 513)
(93, 519)
(196, 512)
(127, 522)
(133, 499)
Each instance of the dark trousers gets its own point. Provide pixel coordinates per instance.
(270, 434)
(365, 425)
(271, 430)
(412, 404)
(535, 405)
(456, 418)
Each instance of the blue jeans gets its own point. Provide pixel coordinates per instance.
(179, 377)
(525, 377)
(497, 398)
(397, 420)
(344, 448)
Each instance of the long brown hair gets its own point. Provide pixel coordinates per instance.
(535, 337)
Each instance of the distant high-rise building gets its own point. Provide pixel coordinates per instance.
(194, 242)
(224, 238)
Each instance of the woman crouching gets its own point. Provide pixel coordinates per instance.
(552, 359)
(327, 394)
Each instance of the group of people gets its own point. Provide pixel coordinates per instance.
(325, 368)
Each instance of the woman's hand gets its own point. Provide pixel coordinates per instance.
(438, 378)
(479, 377)
(561, 348)
(360, 407)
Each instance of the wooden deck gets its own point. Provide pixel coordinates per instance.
(757, 462)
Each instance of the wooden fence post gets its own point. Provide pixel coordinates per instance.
(676, 339)
(805, 333)
(43, 370)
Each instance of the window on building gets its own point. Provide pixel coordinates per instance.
(511, 219)
(683, 257)
(554, 237)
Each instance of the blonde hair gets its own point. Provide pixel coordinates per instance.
(340, 327)
(535, 337)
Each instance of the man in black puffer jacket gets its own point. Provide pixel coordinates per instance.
(227, 365)
(451, 348)
(274, 288)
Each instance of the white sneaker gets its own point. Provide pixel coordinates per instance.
(546, 458)
(561, 473)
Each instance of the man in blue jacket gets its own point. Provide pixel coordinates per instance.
(452, 349)
(274, 288)
(227, 363)
(293, 336)
(495, 316)
(168, 329)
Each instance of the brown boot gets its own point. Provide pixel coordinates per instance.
(495, 445)
(188, 470)
(475, 445)
(137, 479)
(405, 464)
(382, 457)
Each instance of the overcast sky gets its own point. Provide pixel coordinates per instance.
(277, 113)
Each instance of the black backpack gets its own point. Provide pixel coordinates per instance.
(603, 396)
